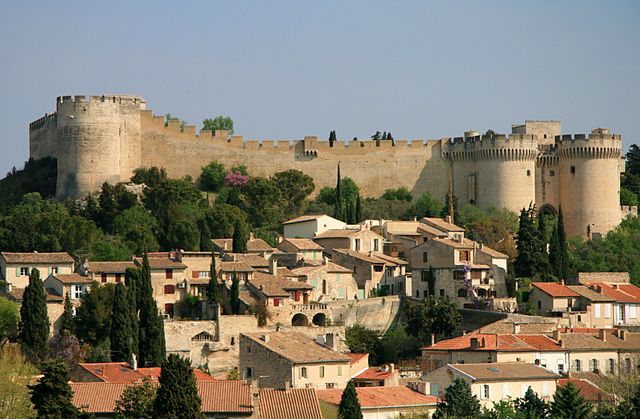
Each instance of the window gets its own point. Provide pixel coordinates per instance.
(103, 277)
(573, 170)
(303, 372)
(462, 293)
(560, 368)
(425, 257)
(378, 268)
(203, 274)
(355, 269)
(593, 365)
(552, 173)
(168, 309)
(627, 365)
(607, 311)
(276, 302)
(441, 292)
(248, 372)
(611, 366)
(577, 365)
(596, 312)
(296, 295)
(169, 273)
(424, 293)
(322, 371)
(24, 271)
(485, 391)
(249, 349)
(76, 291)
(169, 289)
(463, 255)
(376, 245)
(418, 293)
(339, 370)
(528, 172)
(55, 270)
(459, 275)
(539, 305)
(632, 311)
(356, 245)
(118, 278)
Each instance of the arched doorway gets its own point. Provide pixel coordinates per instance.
(299, 320)
(548, 210)
(320, 319)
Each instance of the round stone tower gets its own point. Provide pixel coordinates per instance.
(590, 181)
(98, 140)
(494, 171)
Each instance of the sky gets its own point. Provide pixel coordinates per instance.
(286, 69)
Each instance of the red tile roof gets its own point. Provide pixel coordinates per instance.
(357, 357)
(554, 289)
(299, 403)
(110, 267)
(376, 397)
(72, 278)
(497, 342)
(162, 263)
(624, 293)
(121, 372)
(374, 373)
(36, 257)
(588, 390)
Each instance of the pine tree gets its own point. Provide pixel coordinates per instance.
(532, 406)
(151, 343)
(569, 404)
(458, 401)
(34, 319)
(67, 322)
(131, 280)
(239, 238)
(213, 289)
(358, 209)
(177, 395)
(121, 334)
(349, 407)
(338, 210)
(51, 397)
(235, 294)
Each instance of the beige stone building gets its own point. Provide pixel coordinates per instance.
(357, 239)
(15, 267)
(304, 251)
(106, 272)
(309, 226)
(55, 305)
(291, 359)
(329, 281)
(491, 383)
(168, 281)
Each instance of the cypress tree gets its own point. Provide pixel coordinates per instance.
(390, 138)
(131, 280)
(235, 294)
(358, 209)
(239, 238)
(532, 406)
(213, 289)
(67, 322)
(349, 407)
(177, 395)
(34, 319)
(332, 138)
(121, 334)
(541, 248)
(151, 344)
(554, 252)
(531, 258)
(51, 397)
(569, 404)
(458, 402)
(338, 210)
(563, 251)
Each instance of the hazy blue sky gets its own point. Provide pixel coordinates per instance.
(289, 69)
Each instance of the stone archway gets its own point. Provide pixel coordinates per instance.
(548, 209)
(320, 319)
(299, 320)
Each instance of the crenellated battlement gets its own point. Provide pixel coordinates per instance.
(495, 147)
(119, 99)
(40, 122)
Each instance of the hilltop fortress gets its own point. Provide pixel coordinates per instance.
(104, 138)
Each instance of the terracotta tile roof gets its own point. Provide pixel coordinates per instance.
(425, 228)
(374, 373)
(503, 371)
(253, 260)
(121, 372)
(590, 294)
(235, 267)
(441, 224)
(297, 347)
(258, 245)
(507, 327)
(357, 357)
(72, 278)
(588, 390)
(295, 245)
(276, 285)
(464, 244)
(37, 257)
(17, 294)
(623, 293)
(330, 268)
(390, 259)
(223, 244)
(110, 267)
(492, 252)
(362, 256)
(588, 277)
(497, 342)
(554, 289)
(377, 397)
(304, 218)
(337, 233)
(216, 396)
(162, 263)
(299, 403)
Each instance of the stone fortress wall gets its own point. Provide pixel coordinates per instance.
(103, 138)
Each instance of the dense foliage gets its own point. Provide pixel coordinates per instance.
(349, 407)
(9, 320)
(177, 395)
(34, 319)
(458, 402)
(51, 397)
(136, 401)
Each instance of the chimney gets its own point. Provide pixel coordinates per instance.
(330, 340)
(464, 332)
(484, 343)
(392, 367)
(448, 219)
(562, 281)
(481, 246)
(474, 343)
(265, 338)
(433, 339)
(273, 266)
(287, 385)
(602, 334)
(133, 362)
(325, 260)
(561, 343)
(251, 236)
(516, 328)
(557, 334)
(622, 334)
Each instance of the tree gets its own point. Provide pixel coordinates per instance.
(67, 348)
(212, 176)
(332, 138)
(151, 343)
(361, 340)
(52, 396)
(632, 163)
(15, 374)
(137, 401)
(121, 334)
(542, 241)
(219, 123)
(531, 259)
(113, 199)
(532, 406)
(9, 320)
(67, 322)
(93, 316)
(34, 318)
(137, 227)
(239, 238)
(450, 207)
(628, 197)
(338, 211)
(213, 289)
(436, 315)
(425, 206)
(235, 294)
(400, 194)
(294, 188)
(151, 177)
(349, 407)
(177, 395)
(560, 250)
(569, 404)
(458, 401)
(358, 210)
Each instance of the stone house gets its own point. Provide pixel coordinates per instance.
(626, 301)
(255, 246)
(291, 359)
(226, 270)
(308, 226)
(55, 304)
(278, 294)
(492, 383)
(329, 281)
(306, 251)
(106, 272)
(387, 375)
(368, 269)
(359, 240)
(169, 282)
(15, 267)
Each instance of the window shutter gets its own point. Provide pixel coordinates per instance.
(195, 274)
(18, 271)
